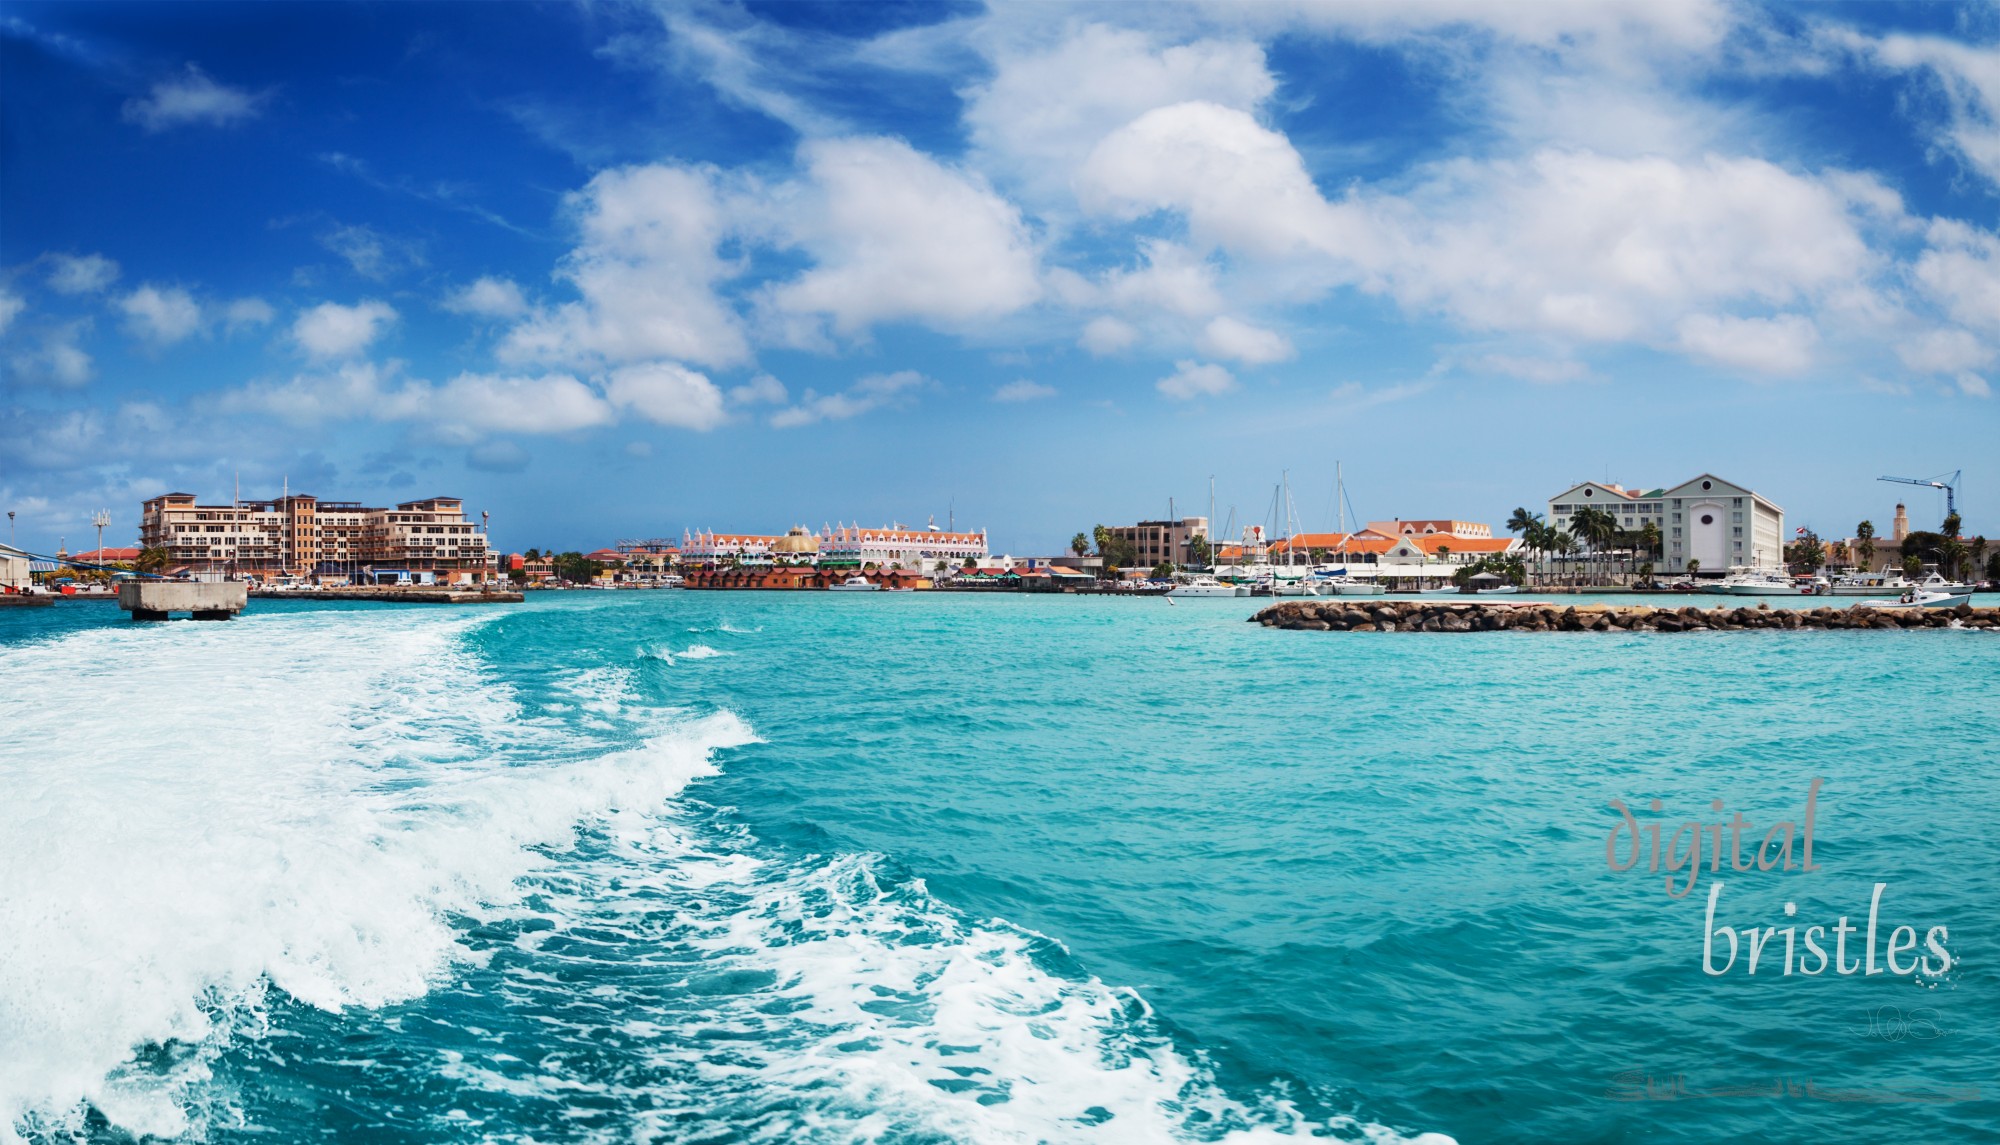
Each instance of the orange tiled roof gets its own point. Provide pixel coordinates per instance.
(1431, 542)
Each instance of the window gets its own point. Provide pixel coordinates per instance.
(1736, 518)
(1736, 501)
(1737, 531)
(1707, 519)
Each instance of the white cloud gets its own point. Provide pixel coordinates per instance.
(81, 274)
(161, 315)
(331, 330)
(1192, 379)
(59, 358)
(1960, 271)
(1945, 351)
(1174, 280)
(1781, 345)
(1047, 104)
(1974, 386)
(869, 393)
(246, 313)
(666, 394)
(463, 408)
(647, 270)
(760, 390)
(896, 235)
(1531, 369)
(371, 253)
(488, 297)
(10, 306)
(1023, 390)
(192, 98)
(1969, 78)
(1107, 335)
(1253, 345)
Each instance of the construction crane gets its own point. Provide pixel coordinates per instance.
(1950, 488)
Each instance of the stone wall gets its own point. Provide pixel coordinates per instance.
(1432, 616)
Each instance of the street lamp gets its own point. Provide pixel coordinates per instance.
(101, 518)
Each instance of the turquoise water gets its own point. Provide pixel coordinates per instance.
(745, 867)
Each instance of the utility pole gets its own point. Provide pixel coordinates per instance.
(101, 518)
(10, 530)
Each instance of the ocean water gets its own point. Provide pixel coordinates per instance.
(738, 867)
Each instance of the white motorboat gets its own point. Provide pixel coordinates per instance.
(1342, 586)
(1448, 590)
(1503, 590)
(855, 583)
(1208, 586)
(1872, 584)
(1304, 586)
(1920, 598)
(1936, 583)
(1751, 582)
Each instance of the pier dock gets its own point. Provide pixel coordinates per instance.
(204, 600)
(398, 595)
(1534, 616)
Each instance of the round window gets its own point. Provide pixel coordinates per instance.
(1707, 520)
(1587, 492)
(1708, 485)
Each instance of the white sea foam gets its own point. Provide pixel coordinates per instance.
(192, 811)
(691, 652)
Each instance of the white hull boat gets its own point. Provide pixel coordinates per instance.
(855, 584)
(1503, 590)
(1208, 586)
(1357, 588)
(1921, 598)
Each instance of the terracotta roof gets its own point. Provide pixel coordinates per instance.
(95, 556)
(1432, 542)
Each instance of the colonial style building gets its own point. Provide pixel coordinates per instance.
(1704, 519)
(302, 535)
(890, 547)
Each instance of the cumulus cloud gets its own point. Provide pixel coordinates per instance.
(1960, 271)
(192, 98)
(666, 394)
(161, 315)
(869, 393)
(57, 356)
(760, 390)
(1192, 379)
(488, 297)
(331, 330)
(1048, 104)
(1973, 386)
(81, 274)
(463, 408)
(1107, 335)
(1945, 351)
(897, 235)
(248, 313)
(1780, 345)
(1023, 390)
(647, 270)
(11, 305)
(1252, 345)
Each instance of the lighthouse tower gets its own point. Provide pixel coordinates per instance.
(1900, 531)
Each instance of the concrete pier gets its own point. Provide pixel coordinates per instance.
(206, 600)
(1376, 615)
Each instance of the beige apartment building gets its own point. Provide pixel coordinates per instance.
(301, 535)
(1156, 541)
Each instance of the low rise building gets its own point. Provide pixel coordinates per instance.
(16, 568)
(1703, 519)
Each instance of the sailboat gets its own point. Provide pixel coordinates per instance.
(1207, 584)
(1341, 580)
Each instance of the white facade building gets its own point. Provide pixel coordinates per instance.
(1705, 519)
(898, 547)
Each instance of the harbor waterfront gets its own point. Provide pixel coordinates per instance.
(1539, 616)
(832, 867)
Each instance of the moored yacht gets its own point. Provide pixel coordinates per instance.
(1871, 584)
(1208, 586)
(1755, 582)
(856, 583)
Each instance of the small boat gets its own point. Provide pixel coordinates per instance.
(1448, 590)
(1303, 586)
(1208, 586)
(1344, 587)
(1750, 582)
(1920, 598)
(1503, 590)
(855, 583)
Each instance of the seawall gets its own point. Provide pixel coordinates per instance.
(1530, 616)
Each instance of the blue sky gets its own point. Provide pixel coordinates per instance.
(618, 270)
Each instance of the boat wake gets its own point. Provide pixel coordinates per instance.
(304, 835)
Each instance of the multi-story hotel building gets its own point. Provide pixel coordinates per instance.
(1156, 541)
(1705, 519)
(302, 535)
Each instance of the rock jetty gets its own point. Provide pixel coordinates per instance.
(1529, 616)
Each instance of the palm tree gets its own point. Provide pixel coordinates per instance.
(1951, 557)
(1080, 544)
(1594, 526)
(1864, 543)
(1522, 520)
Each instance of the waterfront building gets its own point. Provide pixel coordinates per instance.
(299, 534)
(1414, 555)
(1156, 541)
(16, 568)
(712, 548)
(106, 556)
(1401, 528)
(896, 546)
(1704, 518)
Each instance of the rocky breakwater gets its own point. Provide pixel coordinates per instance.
(1525, 616)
